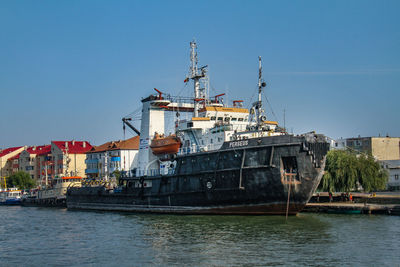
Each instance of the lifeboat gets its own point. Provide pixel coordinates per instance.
(165, 145)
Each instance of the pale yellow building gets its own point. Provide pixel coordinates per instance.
(5, 155)
(382, 148)
(68, 158)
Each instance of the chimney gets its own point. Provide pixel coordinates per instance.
(66, 144)
(84, 144)
(73, 142)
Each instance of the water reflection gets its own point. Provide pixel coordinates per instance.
(230, 239)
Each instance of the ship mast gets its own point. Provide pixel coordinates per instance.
(195, 75)
(258, 106)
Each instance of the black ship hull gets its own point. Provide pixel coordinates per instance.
(269, 175)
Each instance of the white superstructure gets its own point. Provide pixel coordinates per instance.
(212, 123)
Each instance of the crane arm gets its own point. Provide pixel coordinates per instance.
(126, 121)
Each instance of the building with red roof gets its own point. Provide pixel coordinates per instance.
(6, 154)
(68, 158)
(30, 162)
(13, 164)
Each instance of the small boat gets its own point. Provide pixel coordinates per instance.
(165, 145)
(10, 196)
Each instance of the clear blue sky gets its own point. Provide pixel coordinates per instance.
(73, 69)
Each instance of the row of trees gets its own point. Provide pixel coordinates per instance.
(346, 171)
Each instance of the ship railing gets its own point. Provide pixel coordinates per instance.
(150, 172)
(196, 148)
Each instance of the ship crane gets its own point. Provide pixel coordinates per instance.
(125, 121)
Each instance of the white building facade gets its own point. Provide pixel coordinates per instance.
(103, 161)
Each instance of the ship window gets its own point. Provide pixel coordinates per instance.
(240, 119)
(234, 119)
(227, 119)
(213, 118)
(190, 124)
(220, 118)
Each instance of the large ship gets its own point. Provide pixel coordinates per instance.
(222, 160)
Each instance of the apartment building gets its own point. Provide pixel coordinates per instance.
(102, 161)
(68, 158)
(5, 155)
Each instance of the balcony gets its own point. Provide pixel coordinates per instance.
(116, 159)
(91, 161)
(90, 171)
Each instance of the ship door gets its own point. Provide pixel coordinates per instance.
(289, 170)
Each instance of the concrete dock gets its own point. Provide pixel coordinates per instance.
(362, 203)
(352, 208)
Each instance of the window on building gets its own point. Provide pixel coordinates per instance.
(213, 118)
(234, 119)
(220, 118)
(396, 177)
(240, 119)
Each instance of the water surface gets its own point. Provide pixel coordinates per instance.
(32, 236)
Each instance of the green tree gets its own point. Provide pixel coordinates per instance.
(21, 180)
(371, 174)
(345, 170)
